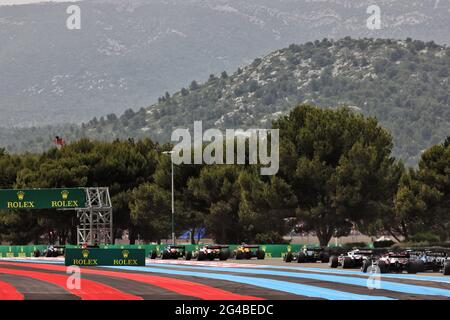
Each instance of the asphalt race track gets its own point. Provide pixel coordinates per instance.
(38, 279)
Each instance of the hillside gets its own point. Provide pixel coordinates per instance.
(405, 84)
(129, 52)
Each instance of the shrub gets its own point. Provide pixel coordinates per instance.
(425, 237)
(383, 244)
(352, 245)
(270, 238)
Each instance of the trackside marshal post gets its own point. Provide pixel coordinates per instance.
(104, 257)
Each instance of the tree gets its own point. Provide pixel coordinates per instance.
(122, 216)
(339, 166)
(253, 86)
(194, 85)
(410, 208)
(150, 212)
(216, 187)
(434, 176)
(422, 204)
(189, 213)
(264, 207)
(240, 206)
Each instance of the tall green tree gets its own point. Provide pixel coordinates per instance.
(339, 166)
(216, 188)
(150, 212)
(265, 207)
(423, 198)
(189, 213)
(422, 205)
(434, 173)
(410, 208)
(240, 206)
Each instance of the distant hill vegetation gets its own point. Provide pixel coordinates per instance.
(127, 53)
(404, 83)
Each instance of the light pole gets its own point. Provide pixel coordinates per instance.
(173, 201)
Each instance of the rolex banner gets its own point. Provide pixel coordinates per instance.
(104, 257)
(43, 198)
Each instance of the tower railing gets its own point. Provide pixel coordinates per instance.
(96, 218)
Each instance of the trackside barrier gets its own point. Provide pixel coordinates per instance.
(19, 251)
(105, 257)
(272, 250)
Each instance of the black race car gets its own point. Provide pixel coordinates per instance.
(248, 252)
(446, 270)
(51, 252)
(172, 252)
(308, 255)
(212, 252)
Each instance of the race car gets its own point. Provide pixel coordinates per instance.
(430, 260)
(172, 252)
(51, 252)
(446, 270)
(308, 255)
(434, 259)
(353, 259)
(394, 262)
(248, 252)
(90, 246)
(212, 252)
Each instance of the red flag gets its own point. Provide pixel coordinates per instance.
(59, 141)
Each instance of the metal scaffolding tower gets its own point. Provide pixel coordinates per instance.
(96, 219)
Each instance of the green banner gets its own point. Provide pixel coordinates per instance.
(43, 198)
(104, 257)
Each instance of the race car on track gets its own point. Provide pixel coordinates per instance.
(212, 252)
(172, 252)
(308, 255)
(394, 262)
(446, 270)
(248, 252)
(430, 259)
(51, 252)
(353, 259)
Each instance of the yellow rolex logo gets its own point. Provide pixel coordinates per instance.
(85, 253)
(20, 195)
(125, 253)
(65, 194)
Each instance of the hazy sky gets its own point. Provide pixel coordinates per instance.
(3, 2)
